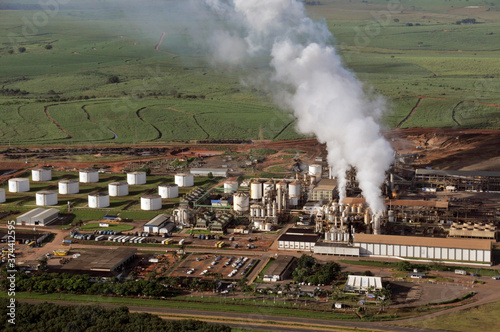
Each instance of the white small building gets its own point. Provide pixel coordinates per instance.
(168, 190)
(19, 185)
(41, 174)
(118, 189)
(89, 175)
(362, 283)
(137, 177)
(68, 187)
(2, 195)
(98, 200)
(184, 179)
(38, 217)
(155, 224)
(46, 198)
(151, 202)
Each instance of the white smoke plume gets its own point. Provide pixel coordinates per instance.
(327, 99)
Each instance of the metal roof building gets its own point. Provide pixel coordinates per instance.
(279, 269)
(38, 217)
(154, 225)
(205, 171)
(362, 283)
(458, 251)
(462, 180)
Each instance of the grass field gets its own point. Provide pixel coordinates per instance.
(111, 227)
(483, 318)
(402, 50)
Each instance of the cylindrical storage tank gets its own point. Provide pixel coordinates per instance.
(151, 202)
(118, 189)
(360, 208)
(315, 170)
(168, 190)
(46, 198)
(136, 178)
(391, 216)
(41, 174)
(268, 186)
(267, 227)
(19, 185)
(230, 187)
(255, 210)
(293, 201)
(257, 224)
(98, 200)
(68, 187)
(2, 195)
(184, 179)
(294, 189)
(89, 175)
(241, 202)
(255, 190)
(282, 185)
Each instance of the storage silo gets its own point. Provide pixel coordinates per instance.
(230, 187)
(67, 187)
(168, 190)
(151, 202)
(241, 202)
(46, 198)
(98, 200)
(41, 174)
(19, 185)
(267, 227)
(118, 189)
(184, 179)
(89, 175)
(256, 190)
(136, 178)
(294, 189)
(315, 170)
(2, 195)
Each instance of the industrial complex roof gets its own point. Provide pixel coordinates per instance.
(158, 220)
(422, 171)
(279, 266)
(103, 260)
(424, 241)
(400, 202)
(326, 184)
(298, 238)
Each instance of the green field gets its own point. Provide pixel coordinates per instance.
(112, 227)
(401, 49)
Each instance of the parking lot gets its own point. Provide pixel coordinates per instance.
(230, 267)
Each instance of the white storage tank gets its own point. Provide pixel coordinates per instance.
(255, 190)
(184, 179)
(151, 202)
(281, 185)
(257, 224)
(230, 187)
(118, 189)
(2, 195)
(136, 178)
(98, 200)
(241, 202)
(294, 189)
(168, 190)
(68, 187)
(19, 185)
(46, 198)
(315, 170)
(41, 174)
(293, 201)
(267, 227)
(89, 175)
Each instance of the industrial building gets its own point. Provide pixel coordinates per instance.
(38, 217)
(216, 172)
(474, 230)
(470, 251)
(280, 268)
(458, 180)
(2, 195)
(158, 222)
(324, 190)
(98, 262)
(298, 239)
(336, 248)
(362, 284)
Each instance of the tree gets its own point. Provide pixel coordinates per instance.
(113, 79)
(48, 47)
(404, 266)
(11, 51)
(210, 175)
(21, 49)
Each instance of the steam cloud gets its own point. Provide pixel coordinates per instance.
(326, 98)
